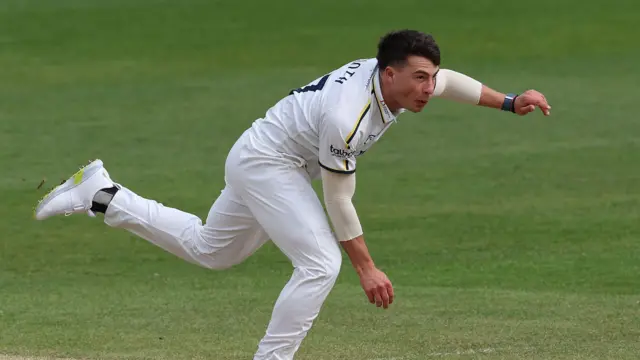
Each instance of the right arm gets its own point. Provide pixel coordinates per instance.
(338, 191)
(337, 134)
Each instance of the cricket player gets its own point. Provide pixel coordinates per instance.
(315, 132)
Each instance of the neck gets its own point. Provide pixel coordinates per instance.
(391, 103)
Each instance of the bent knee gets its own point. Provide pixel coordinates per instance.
(333, 268)
(215, 254)
(325, 271)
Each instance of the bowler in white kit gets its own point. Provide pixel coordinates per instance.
(316, 132)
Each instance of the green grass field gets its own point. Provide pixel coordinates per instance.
(505, 237)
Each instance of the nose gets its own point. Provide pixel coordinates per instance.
(430, 87)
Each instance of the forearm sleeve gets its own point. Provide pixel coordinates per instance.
(338, 190)
(456, 86)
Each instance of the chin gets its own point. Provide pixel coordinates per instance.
(417, 109)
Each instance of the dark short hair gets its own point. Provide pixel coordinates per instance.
(395, 47)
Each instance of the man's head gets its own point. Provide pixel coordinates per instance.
(408, 61)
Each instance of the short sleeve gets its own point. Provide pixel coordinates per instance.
(335, 150)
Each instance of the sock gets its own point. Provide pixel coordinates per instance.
(102, 199)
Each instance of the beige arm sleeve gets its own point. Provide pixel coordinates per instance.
(338, 190)
(456, 86)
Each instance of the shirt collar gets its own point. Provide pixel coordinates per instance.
(386, 113)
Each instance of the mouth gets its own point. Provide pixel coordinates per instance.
(422, 103)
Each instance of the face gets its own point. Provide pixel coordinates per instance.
(412, 85)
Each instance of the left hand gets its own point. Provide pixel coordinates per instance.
(529, 100)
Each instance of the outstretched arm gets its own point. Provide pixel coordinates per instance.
(338, 191)
(462, 88)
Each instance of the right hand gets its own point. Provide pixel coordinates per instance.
(377, 287)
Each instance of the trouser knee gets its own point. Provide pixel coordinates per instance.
(326, 272)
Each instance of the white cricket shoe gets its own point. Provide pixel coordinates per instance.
(76, 194)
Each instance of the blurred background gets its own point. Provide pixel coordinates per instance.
(505, 237)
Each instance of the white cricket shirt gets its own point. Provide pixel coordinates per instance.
(327, 123)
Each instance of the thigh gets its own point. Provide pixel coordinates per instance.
(286, 205)
(231, 232)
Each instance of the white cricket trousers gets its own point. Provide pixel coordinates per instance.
(264, 198)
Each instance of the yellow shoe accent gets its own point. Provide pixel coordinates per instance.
(77, 177)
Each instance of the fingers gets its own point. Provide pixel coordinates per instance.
(371, 296)
(378, 289)
(382, 290)
(382, 296)
(544, 107)
(524, 110)
(530, 100)
(380, 299)
(541, 101)
(546, 110)
(390, 292)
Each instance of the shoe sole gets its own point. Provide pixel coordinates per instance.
(78, 178)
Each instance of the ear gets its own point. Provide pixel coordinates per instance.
(390, 73)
